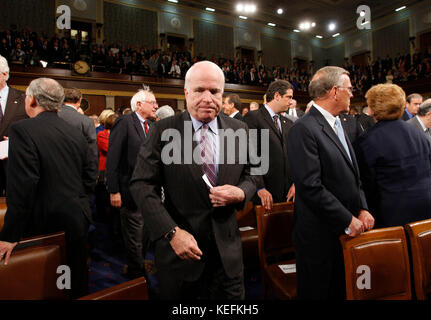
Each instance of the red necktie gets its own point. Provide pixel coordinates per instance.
(146, 126)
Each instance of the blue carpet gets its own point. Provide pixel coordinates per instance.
(107, 261)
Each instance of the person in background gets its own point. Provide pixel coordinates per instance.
(102, 117)
(413, 102)
(164, 112)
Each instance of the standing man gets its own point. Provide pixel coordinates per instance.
(232, 105)
(276, 185)
(197, 244)
(422, 120)
(50, 178)
(329, 197)
(69, 113)
(12, 108)
(127, 135)
(413, 101)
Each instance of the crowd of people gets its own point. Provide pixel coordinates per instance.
(345, 174)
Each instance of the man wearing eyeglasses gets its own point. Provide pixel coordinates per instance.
(329, 198)
(126, 137)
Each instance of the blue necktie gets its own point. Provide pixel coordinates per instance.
(340, 134)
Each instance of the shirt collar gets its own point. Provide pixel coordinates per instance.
(234, 114)
(271, 112)
(408, 113)
(198, 124)
(141, 119)
(327, 115)
(4, 92)
(71, 106)
(424, 128)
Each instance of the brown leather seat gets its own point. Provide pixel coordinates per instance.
(3, 208)
(247, 224)
(136, 289)
(385, 253)
(31, 273)
(420, 248)
(275, 242)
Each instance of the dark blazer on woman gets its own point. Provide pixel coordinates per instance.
(395, 164)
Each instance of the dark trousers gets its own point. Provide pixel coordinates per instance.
(213, 283)
(136, 238)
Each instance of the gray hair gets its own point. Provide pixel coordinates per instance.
(254, 103)
(47, 92)
(141, 95)
(424, 108)
(193, 67)
(324, 80)
(4, 66)
(165, 112)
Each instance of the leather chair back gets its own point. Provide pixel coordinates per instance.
(382, 257)
(420, 247)
(136, 289)
(31, 273)
(3, 208)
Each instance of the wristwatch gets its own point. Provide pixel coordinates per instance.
(170, 234)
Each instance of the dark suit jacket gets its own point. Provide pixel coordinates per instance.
(365, 121)
(187, 201)
(395, 163)
(239, 116)
(351, 126)
(125, 139)
(278, 178)
(15, 111)
(86, 126)
(328, 194)
(49, 178)
(405, 116)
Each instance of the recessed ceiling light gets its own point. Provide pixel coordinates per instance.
(313, 24)
(400, 8)
(280, 11)
(250, 8)
(210, 9)
(173, 1)
(320, 37)
(362, 13)
(335, 35)
(271, 24)
(242, 17)
(239, 7)
(331, 26)
(296, 30)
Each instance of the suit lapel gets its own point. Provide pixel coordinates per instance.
(267, 117)
(138, 126)
(329, 132)
(11, 105)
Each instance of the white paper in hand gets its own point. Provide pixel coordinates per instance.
(288, 268)
(207, 181)
(4, 149)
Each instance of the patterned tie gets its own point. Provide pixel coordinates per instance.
(146, 127)
(276, 123)
(207, 155)
(340, 133)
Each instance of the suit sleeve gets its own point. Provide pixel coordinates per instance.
(146, 184)
(23, 178)
(306, 171)
(92, 143)
(117, 139)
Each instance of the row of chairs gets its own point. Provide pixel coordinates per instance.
(383, 255)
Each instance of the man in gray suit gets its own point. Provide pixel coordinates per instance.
(422, 120)
(69, 113)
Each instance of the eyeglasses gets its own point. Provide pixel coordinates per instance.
(153, 103)
(350, 89)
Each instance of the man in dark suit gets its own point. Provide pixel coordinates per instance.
(422, 120)
(365, 120)
(11, 109)
(276, 184)
(127, 135)
(69, 113)
(232, 105)
(49, 180)
(413, 101)
(197, 244)
(329, 198)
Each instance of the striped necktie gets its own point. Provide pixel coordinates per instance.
(207, 155)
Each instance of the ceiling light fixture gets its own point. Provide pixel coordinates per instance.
(362, 13)
(400, 8)
(320, 37)
(210, 9)
(240, 7)
(242, 17)
(313, 24)
(173, 1)
(280, 11)
(296, 30)
(335, 35)
(271, 24)
(331, 26)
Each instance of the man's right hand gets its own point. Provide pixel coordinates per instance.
(115, 200)
(356, 227)
(266, 198)
(185, 245)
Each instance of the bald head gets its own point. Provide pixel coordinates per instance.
(203, 66)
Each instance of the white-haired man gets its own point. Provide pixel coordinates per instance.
(197, 244)
(164, 112)
(12, 109)
(127, 135)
